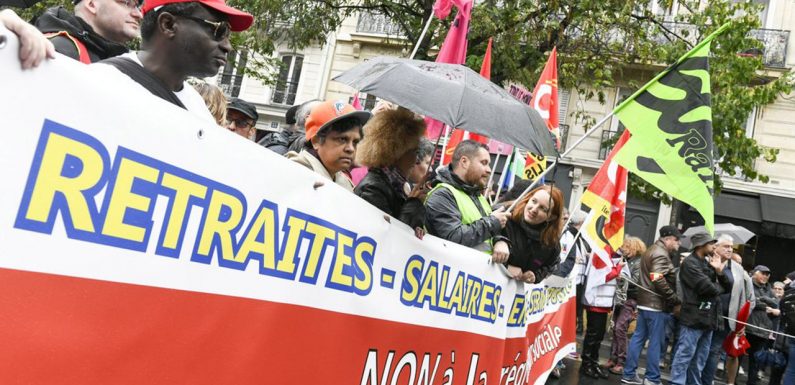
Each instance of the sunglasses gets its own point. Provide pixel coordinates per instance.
(221, 29)
(241, 123)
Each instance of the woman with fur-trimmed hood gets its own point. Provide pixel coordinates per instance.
(398, 156)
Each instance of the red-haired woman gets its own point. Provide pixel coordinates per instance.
(534, 230)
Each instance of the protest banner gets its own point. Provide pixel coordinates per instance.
(140, 244)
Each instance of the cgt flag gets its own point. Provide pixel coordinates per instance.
(670, 119)
(603, 229)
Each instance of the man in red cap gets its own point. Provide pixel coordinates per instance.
(333, 130)
(182, 38)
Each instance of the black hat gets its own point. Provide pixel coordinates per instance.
(289, 116)
(669, 230)
(791, 275)
(244, 108)
(701, 239)
(762, 269)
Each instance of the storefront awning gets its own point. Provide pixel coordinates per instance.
(778, 209)
(738, 206)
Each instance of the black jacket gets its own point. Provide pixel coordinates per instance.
(376, 190)
(443, 219)
(58, 19)
(527, 251)
(759, 317)
(283, 141)
(700, 287)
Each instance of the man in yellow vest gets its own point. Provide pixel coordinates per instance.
(456, 209)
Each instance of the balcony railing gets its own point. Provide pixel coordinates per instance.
(774, 42)
(377, 24)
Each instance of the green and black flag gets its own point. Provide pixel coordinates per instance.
(670, 119)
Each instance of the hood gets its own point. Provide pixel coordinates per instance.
(445, 175)
(58, 19)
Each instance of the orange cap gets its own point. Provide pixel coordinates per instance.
(330, 111)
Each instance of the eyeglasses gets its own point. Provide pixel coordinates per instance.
(241, 123)
(131, 4)
(221, 29)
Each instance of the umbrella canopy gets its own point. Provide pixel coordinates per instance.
(739, 234)
(454, 95)
(735, 343)
(18, 3)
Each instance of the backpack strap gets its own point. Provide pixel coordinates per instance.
(82, 51)
(145, 78)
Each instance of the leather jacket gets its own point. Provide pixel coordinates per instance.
(657, 260)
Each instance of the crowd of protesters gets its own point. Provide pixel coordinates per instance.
(689, 306)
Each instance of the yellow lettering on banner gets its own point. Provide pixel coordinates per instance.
(50, 181)
(411, 284)
(123, 198)
(485, 300)
(430, 286)
(213, 225)
(443, 285)
(322, 234)
(184, 190)
(264, 222)
(341, 261)
(287, 263)
(514, 317)
(457, 297)
(362, 249)
(474, 293)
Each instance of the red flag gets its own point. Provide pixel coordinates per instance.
(454, 48)
(545, 95)
(603, 229)
(460, 135)
(356, 103)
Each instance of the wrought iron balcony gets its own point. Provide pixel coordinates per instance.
(774, 41)
(377, 24)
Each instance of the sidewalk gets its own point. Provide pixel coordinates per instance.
(571, 376)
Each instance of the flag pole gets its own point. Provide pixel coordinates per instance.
(422, 36)
(508, 161)
(555, 163)
(491, 176)
(444, 145)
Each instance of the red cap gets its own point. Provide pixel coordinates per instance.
(239, 20)
(330, 111)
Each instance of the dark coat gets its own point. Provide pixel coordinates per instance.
(759, 317)
(663, 291)
(527, 251)
(443, 219)
(701, 286)
(376, 190)
(283, 141)
(58, 19)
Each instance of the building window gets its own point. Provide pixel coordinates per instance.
(287, 83)
(275, 126)
(616, 127)
(231, 76)
(367, 101)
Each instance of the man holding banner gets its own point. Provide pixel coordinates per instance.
(456, 209)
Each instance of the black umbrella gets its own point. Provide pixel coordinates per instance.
(454, 95)
(18, 3)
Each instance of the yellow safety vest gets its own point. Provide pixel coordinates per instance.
(469, 211)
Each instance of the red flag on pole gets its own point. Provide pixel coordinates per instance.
(460, 135)
(545, 95)
(605, 202)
